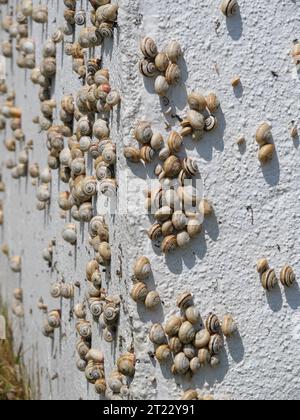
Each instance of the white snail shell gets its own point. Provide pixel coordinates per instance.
(15, 264)
(163, 352)
(139, 292)
(269, 279)
(173, 51)
(157, 334)
(80, 311)
(142, 268)
(186, 333)
(262, 265)
(287, 276)
(67, 290)
(55, 290)
(126, 364)
(204, 356)
(161, 86)
(173, 325)
(149, 48)
(54, 319)
(190, 351)
(202, 338)
(229, 326)
(152, 299)
(84, 329)
(192, 314)
(69, 233)
(181, 363)
(229, 7)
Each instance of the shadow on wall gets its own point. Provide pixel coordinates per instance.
(235, 26)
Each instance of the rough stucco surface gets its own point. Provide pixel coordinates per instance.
(263, 360)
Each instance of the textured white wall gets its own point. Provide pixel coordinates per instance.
(263, 361)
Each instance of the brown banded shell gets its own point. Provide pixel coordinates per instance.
(269, 279)
(143, 132)
(55, 290)
(229, 326)
(169, 244)
(152, 299)
(126, 364)
(212, 324)
(287, 276)
(155, 232)
(148, 48)
(161, 62)
(266, 152)
(172, 166)
(147, 68)
(173, 325)
(133, 154)
(192, 314)
(184, 300)
(84, 329)
(204, 357)
(174, 141)
(181, 363)
(173, 51)
(190, 351)
(262, 265)
(161, 86)
(147, 154)
(54, 319)
(142, 268)
(229, 7)
(215, 344)
(212, 102)
(157, 334)
(202, 338)
(186, 333)
(175, 345)
(173, 74)
(139, 292)
(190, 167)
(196, 120)
(197, 102)
(163, 352)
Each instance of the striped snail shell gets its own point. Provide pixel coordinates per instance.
(186, 333)
(262, 265)
(190, 394)
(139, 292)
(169, 244)
(81, 365)
(161, 86)
(80, 17)
(155, 232)
(113, 98)
(269, 279)
(83, 347)
(181, 363)
(126, 364)
(58, 36)
(55, 290)
(100, 386)
(152, 299)
(147, 68)
(167, 228)
(212, 102)
(229, 326)
(190, 351)
(109, 335)
(192, 314)
(106, 30)
(142, 268)
(210, 123)
(229, 7)
(157, 334)
(174, 141)
(179, 220)
(67, 290)
(111, 313)
(184, 300)
(202, 338)
(195, 119)
(212, 324)
(197, 102)
(173, 74)
(54, 319)
(107, 12)
(132, 153)
(204, 357)
(84, 329)
(163, 353)
(215, 344)
(190, 167)
(173, 325)
(143, 132)
(147, 154)
(148, 48)
(79, 311)
(287, 276)
(172, 166)
(173, 51)
(175, 345)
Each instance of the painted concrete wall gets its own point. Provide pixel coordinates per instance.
(256, 209)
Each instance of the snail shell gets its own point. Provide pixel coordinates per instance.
(81, 365)
(263, 134)
(214, 362)
(287, 276)
(139, 292)
(210, 123)
(107, 12)
(190, 351)
(174, 141)
(55, 290)
(54, 319)
(100, 386)
(163, 353)
(183, 239)
(190, 167)
(163, 214)
(147, 68)
(204, 357)
(84, 329)
(206, 208)
(157, 141)
(175, 345)
(196, 120)
(80, 17)
(105, 251)
(269, 279)
(202, 338)
(148, 48)
(229, 326)
(229, 7)
(215, 344)
(173, 74)
(266, 153)
(161, 62)
(143, 132)
(173, 325)
(15, 264)
(95, 355)
(197, 102)
(212, 324)
(184, 300)
(82, 348)
(186, 333)
(147, 154)
(126, 364)
(172, 166)
(192, 314)
(161, 86)
(113, 98)
(169, 244)
(108, 335)
(155, 232)
(58, 36)
(142, 268)
(69, 233)
(194, 226)
(181, 363)
(152, 300)
(212, 102)
(157, 334)
(111, 313)
(167, 228)
(67, 290)
(47, 330)
(79, 311)
(164, 154)
(173, 51)
(133, 154)
(262, 265)
(190, 394)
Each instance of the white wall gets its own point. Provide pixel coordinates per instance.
(263, 361)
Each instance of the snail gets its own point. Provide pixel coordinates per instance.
(263, 134)
(169, 244)
(173, 74)
(266, 152)
(161, 86)
(54, 319)
(95, 306)
(229, 326)
(212, 102)
(113, 98)
(107, 12)
(212, 324)
(161, 62)
(155, 232)
(81, 365)
(190, 351)
(287, 276)
(163, 214)
(157, 334)
(55, 290)
(269, 279)
(132, 154)
(95, 355)
(100, 386)
(167, 228)
(157, 141)
(193, 314)
(93, 372)
(197, 102)
(47, 330)
(80, 17)
(173, 51)
(184, 300)
(83, 347)
(181, 363)
(190, 394)
(175, 345)
(186, 333)
(115, 382)
(215, 344)
(262, 265)
(164, 154)
(69, 233)
(163, 353)
(229, 7)
(84, 329)
(172, 166)
(15, 264)
(111, 310)
(139, 292)
(152, 300)
(202, 339)
(194, 226)
(204, 357)
(190, 167)
(126, 364)
(210, 123)
(174, 141)
(79, 311)
(206, 208)
(148, 48)
(183, 239)
(173, 325)
(67, 290)
(195, 119)
(143, 132)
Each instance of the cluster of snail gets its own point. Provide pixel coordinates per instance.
(192, 345)
(140, 293)
(17, 303)
(163, 66)
(268, 276)
(264, 140)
